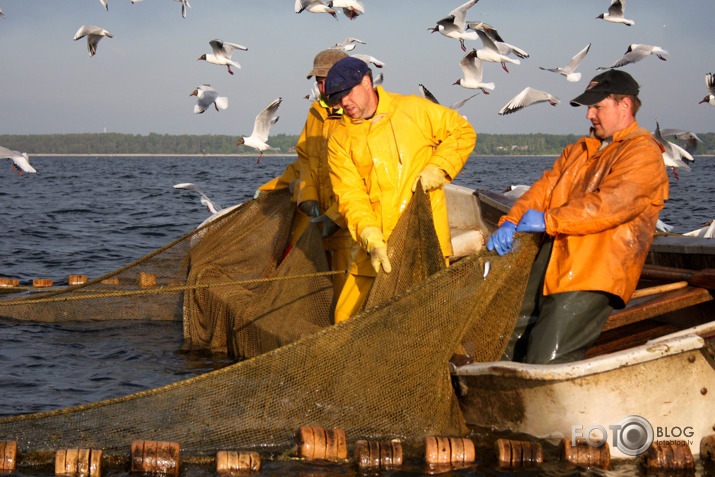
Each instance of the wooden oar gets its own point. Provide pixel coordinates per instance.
(700, 278)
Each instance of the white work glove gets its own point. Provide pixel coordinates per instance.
(432, 178)
(374, 242)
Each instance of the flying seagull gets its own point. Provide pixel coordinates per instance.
(261, 127)
(490, 51)
(221, 55)
(93, 34)
(615, 13)
(369, 59)
(314, 6)
(689, 140)
(19, 160)
(346, 45)
(456, 106)
(212, 207)
(568, 70)
(184, 4)
(674, 156)
(455, 25)
(206, 96)
(527, 97)
(472, 68)
(710, 84)
(351, 8)
(106, 5)
(637, 52)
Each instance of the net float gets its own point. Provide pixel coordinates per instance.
(110, 281)
(155, 457)
(373, 455)
(8, 456)
(41, 282)
(318, 443)
(76, 280)
(78, 462)
(512, 453)
(235, 462)
(146, 280)
(584, 454)
(9, 282)
(673, 455)
(442, 451)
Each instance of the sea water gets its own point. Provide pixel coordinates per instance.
(90, 215)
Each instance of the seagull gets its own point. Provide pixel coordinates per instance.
(212, 207)
(615, 13)
(568, 70)
(93, 34)
(710, 84)
(503, 47)
(456, 106)
(351, 8)
(674, 155)
(261, 127)
(708, 231)
(689, 139)
(104, 2)
(347, 45)
(455, 25)
(472, 73)
(637, 52)
(369, 59)
(2, 14)
(490, 52)
(19, 160)
(184, 4)
(527, 97)
(314, 94)
(378, 79)
(314, 6)
(206, 96)
(661, 226)
(221, 55)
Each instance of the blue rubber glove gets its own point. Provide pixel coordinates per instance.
(531, 221)
(502, 239)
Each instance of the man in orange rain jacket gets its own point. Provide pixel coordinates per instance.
(384, 144)
(598, 207)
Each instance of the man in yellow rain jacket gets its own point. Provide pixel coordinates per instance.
(315, 192)
(385, 143)
(598, 206)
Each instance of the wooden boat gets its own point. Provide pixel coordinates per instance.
(654, 359)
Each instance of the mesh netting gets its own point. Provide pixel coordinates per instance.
(383, 373)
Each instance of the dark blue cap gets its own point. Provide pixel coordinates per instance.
(344, 75)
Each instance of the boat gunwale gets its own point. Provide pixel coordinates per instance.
(672, 344)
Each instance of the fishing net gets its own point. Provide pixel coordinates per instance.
(383, 373)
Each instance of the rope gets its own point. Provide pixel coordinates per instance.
(153, 291)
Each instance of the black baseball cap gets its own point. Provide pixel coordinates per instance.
(602, 86)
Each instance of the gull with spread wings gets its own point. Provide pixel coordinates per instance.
(265, 120)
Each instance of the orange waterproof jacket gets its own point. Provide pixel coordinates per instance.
(601, 207)
(374, 163)
(314, 184)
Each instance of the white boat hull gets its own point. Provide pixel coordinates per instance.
(669, 381)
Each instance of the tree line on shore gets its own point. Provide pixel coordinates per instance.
(153, 143)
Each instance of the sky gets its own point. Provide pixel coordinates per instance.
(140, 80)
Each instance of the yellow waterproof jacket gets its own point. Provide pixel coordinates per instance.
(374, 163)
(314, 184)
(601, 207)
